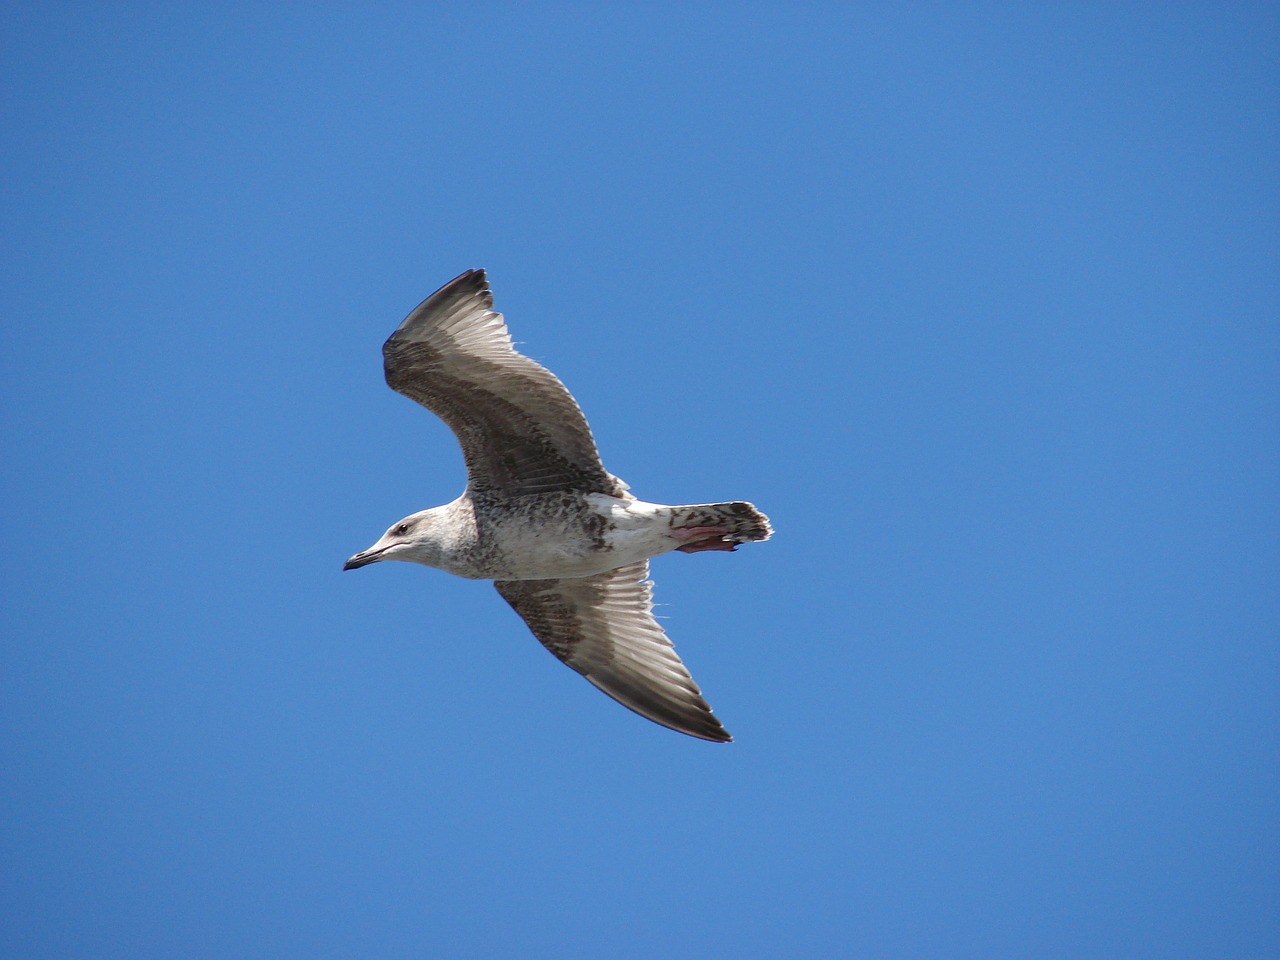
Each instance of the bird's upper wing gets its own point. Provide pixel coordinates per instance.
(603, 627)
(520, 429)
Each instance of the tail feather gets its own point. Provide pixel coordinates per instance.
(741, 521)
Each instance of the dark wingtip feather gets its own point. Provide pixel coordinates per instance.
(468, 284)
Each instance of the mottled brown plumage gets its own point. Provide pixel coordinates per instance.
(603, 627)
(564, 542)
(521, 430)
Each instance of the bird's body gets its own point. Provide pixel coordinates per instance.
(543, 535)
(565, 542)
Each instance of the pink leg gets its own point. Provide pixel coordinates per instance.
(697, 539)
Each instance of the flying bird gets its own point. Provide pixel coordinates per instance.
(565, 543)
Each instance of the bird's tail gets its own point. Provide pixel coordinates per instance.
(719, 526)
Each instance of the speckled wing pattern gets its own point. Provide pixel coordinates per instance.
(521, 431)
(604, 628)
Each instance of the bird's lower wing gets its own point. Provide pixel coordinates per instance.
(604, 628)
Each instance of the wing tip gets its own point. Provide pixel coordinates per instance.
(692, 718)
(708, 728)
(721, 736)
(476, 277)
(711, 732)
(471, 284)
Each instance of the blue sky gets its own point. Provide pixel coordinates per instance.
(979, 302)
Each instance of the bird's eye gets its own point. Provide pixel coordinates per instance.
(401, 529)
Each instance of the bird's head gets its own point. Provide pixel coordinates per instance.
(415, 538)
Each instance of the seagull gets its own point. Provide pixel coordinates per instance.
(565, 543)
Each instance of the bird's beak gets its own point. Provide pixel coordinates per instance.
(363, 559)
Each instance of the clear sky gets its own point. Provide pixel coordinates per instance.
(980, 302)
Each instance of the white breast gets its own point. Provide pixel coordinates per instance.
(556, 547)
